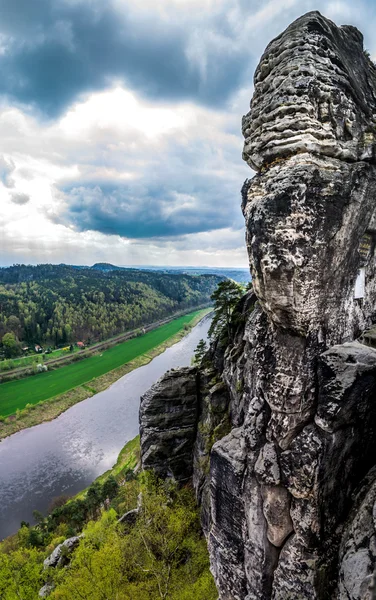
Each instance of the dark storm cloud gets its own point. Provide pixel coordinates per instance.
(19, 198)
(56, 50)
(156, 211)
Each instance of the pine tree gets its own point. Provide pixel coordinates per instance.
(226, 297)
(200, 352)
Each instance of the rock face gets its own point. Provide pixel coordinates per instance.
(357, 578)
(168, 424)
(288, 507)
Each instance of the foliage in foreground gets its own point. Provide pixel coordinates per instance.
(162, 556)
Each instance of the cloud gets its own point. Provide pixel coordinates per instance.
(167, 50)
(20, 199)
(122, 167)
(52, 52)
(120, 122)
(165, 171)
(141, 211)
(6, 168)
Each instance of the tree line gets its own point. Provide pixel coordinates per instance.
(60, 304)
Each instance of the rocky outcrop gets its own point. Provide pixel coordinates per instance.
(168, 424)
(308, 434)
(46, 590)
(357, 575)
(287, 511)
(213, 424)
(60, 556)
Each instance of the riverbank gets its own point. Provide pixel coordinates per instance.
(128, 461)
(49, 408)
(65, 358)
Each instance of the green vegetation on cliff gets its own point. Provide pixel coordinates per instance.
(225, 298)
(162, 554)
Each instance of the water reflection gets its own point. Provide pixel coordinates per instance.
(67, 454)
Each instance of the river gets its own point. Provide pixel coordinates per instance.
(65, 455)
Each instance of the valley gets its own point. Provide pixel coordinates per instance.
(65, 455)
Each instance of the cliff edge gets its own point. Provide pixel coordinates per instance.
(282, 425)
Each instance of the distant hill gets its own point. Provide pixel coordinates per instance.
(106, 267)
(57, 304)
(241, 275)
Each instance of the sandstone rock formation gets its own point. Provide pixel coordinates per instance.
(168, 423)
(289, 500)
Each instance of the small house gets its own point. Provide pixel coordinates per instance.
(80, 345)
(38, 349)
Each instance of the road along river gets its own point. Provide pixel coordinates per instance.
(65, 455)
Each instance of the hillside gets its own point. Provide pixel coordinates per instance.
(59, 304)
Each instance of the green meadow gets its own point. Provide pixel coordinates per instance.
(15, 395)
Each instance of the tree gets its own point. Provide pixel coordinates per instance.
(226, 297)
(161, 556)
(94, 497)
(200, 352)
(110, 488)
(96, 571)
(14, 324)
(20, 574)
(11, 345)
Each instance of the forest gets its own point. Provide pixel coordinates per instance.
(61, 304)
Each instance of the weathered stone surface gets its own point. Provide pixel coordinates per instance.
(357, 560)
(261, 556)
(214, 424)
(308, 399)
(276, 507)
(60, 555)
(294, 577)
(267, 466)
(300, 463)
(312, 94)
(348, 380)
(234, 361)
(228, 519)
(279, 508)
(168, 424)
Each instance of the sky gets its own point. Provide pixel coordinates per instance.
(120, 125)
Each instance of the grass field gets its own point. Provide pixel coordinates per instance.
(17, 394)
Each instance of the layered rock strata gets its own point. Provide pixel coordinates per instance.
(289, 510)
(168, 424)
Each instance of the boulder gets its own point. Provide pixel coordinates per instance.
(60, 556)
